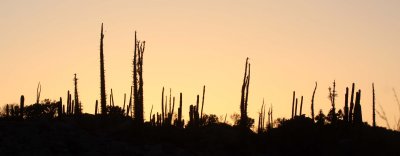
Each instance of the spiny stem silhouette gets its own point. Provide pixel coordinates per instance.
(162, 106)
(357, 109)
(293, 103)
(301, 106)
(38, 91)
(78, 109)
(103, 98)
(138, 80)
(346, 106)
(373, 106)
(21, 107)
(312, 101)
(351, 104)
(202, 102)
(244, 96)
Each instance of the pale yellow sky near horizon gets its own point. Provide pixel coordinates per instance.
(291, 44)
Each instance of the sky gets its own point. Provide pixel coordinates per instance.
(291, 45)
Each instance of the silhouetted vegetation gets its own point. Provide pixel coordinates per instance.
(103, 100)
(138, 80)
(244, 121)
(48, 127)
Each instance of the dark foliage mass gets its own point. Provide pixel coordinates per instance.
(118, 135)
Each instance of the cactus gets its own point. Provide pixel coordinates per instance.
(272, 119)
(295, 108)
(333, 102)
(301, 106)
(95, 107)
(72, 108)
(12, 112)
(103, 100)
(77, 106)
(312, 101)
(138, 80)
(357, 109)
(191, 115)
(38, 91)
(166, 110)
(151, 111)
(293, 102)
(373, 106)
(196, 112)
(7, 110)
(162, 106)
(68, 103)
(170, 102)
(202, 102)
(179, 121)
(173, 106)
(112, 99)
(351, 104)
(346, 106)
(63, 109)
(123, 107)
(244, 96)
(60, 108)
(261, 118)
(130, 103)
(21, 108)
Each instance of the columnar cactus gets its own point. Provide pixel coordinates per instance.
(95, 108)
(351, 104)
(346, 106)
(295, 108)
(202, 102)
(301, 106)
(357, 109)
(21, 108)
(60, 108)
(123, 107)
(103, 98)
(293, 103)
(162, 106)
(77, 106)
(244, 96)
(111, 99)
(196, 112)
(179, 121)
(191, 115)
(138, 80)
(312, 102)
(130, 103)
(68, 103)
(38, 91)
(373, 106)
(332, 98)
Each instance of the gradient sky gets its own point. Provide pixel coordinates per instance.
(291, 44)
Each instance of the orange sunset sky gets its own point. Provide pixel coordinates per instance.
(291, 44)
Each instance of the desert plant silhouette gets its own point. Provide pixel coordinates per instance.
(48, 127)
